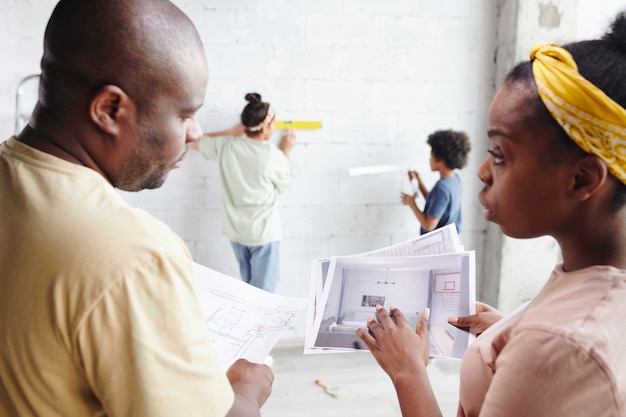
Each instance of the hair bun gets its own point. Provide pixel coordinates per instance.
(617, 31)
(253, 97)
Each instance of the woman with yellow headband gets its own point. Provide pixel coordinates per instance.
(253, 172)
(556, 166)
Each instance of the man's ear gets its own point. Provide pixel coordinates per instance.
(591, 173)
(110, 107)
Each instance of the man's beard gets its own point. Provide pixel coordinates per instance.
(141, 170)
(130, 176)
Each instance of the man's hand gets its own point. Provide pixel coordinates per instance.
(252, 384)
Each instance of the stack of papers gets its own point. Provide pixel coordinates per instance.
(431, 271)
(244, 321)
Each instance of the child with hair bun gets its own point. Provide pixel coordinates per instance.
(253, 172)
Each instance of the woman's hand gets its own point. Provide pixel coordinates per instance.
(403, 354)
(398, 349)
(477, 323)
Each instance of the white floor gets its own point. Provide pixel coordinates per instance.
(364, 389)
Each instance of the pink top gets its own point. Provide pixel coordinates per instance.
(562, 354)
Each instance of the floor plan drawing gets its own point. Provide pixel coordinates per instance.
(244, 321)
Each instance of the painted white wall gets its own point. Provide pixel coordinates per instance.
(380, 75)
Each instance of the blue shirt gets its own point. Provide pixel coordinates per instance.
(444, 202)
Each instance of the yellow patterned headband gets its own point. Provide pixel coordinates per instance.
(591, 118)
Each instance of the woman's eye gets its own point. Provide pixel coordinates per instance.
(497, 159)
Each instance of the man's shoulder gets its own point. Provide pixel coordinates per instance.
(134, 229)
(104, 227)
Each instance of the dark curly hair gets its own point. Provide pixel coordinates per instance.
(450, 146)
(603, 63)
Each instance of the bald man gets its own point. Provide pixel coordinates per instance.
(98, 315)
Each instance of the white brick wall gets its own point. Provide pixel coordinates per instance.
(381, 75)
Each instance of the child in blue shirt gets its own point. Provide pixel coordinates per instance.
(449, 150)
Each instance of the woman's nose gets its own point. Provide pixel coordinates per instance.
(484, 171)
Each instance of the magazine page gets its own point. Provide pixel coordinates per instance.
(438, 241)
(355, 285)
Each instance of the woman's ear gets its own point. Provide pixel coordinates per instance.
(591, 173)
(109, 108)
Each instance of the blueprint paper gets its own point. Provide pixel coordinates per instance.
(244, 321)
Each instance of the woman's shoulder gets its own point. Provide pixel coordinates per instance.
(584, 309)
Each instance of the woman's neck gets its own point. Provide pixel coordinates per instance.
(599, 242)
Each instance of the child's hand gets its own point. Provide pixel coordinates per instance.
(414, 175)
(288, 141)
(408, 199)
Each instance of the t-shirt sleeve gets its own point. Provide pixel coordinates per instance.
(210, 146)
(542, 374)
(145, 350)
(437, 201)
(282, 176)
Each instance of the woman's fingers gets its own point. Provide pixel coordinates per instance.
(422, 322)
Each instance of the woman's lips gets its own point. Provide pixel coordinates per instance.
(487, 213)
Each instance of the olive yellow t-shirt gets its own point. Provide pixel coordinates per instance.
(98, 314)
